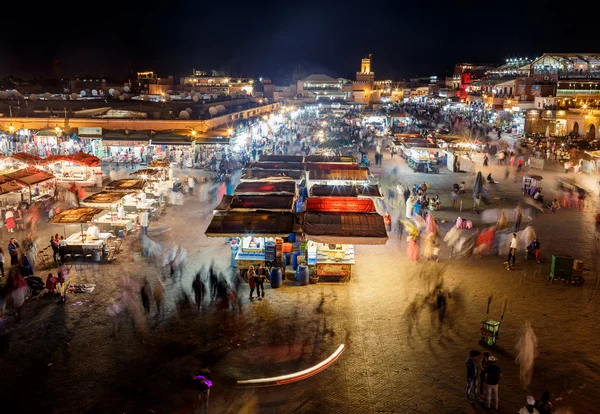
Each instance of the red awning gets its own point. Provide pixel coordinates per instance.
(345, 228)
(340, 205)
(266, 187)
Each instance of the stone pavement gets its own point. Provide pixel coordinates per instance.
(400, 358)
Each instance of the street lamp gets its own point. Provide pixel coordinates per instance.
(230, 131)
(58, 130)
(11, 128)
(193, 132)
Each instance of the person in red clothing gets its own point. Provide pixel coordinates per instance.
(51, 282)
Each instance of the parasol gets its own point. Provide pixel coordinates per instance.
(410, 227)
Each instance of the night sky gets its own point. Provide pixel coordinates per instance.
(407, 39)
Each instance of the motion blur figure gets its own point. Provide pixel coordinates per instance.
(527, 352)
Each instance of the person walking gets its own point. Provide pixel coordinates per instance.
(492, 378)
(512, 252)
(145, 293)
(251, 281)
(472, 369)
(144, 221)
(191, 184)
(199, 290)
(261, 274)
(518, 218)
(214, 281)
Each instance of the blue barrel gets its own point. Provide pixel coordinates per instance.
(275, 277)
(121, 234)
(302, 274)
(291, 238)
(295, 259)
(287, 258)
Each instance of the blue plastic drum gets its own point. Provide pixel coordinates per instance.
(291, 238)
(276, 277)
(295, 259)
(287, 258)
(302, 274)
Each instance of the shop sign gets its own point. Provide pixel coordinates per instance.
(124, 143)
(90, 131)
(331, 269)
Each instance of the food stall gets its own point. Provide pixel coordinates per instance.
(81, 243)
(338, 176)
(20, 185)
(110, 222)
(331, 260)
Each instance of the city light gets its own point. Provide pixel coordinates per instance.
(11, 128)
(193, 132)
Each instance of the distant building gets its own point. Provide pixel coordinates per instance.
(319, 86)
(150, 82)
(215, 84)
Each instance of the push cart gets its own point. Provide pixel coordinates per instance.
(489, 332)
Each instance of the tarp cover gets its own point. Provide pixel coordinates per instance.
(331, 166)
(271, 202)
(319, 190)
(361, 174)
(125, 185)
(340, 205)
(242, 224)
(270, 165)
(260, 174)
(266, 187)
(104, 198)
(336, 159)
(8, 185)
(148, 173)
(282, 158)
(345, 228)
(76, 215)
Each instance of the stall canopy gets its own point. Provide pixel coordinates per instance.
(254, 223)
(345, 228)
(340, 205)
(361, 174)
(257, 202)
(8, 185)
(29, 176)
(282, 158)
(259, 174)
(271, 165)
(171, 139)
(159, 164)
(125, 185)
(371, 190)
(77, 215)
(266, 187)
(104, 198)
(332, 166)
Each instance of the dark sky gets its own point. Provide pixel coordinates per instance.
(270, 38)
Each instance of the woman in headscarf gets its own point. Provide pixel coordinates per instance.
(502, 222)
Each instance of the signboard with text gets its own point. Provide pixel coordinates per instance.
(90, 131)
(331, 269)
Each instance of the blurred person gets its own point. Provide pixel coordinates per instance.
(199, 290)
(9, 219)
(62, 248)
(55, 249)
(544, 406)
(527, 349)
(13, 251)
(251, 281)
(483, 365)
(51, 283)
(145, 293)
(512, 252)
(2, 262)
(529, 407)
(158, 293)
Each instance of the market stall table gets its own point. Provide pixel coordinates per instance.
(79, 244)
